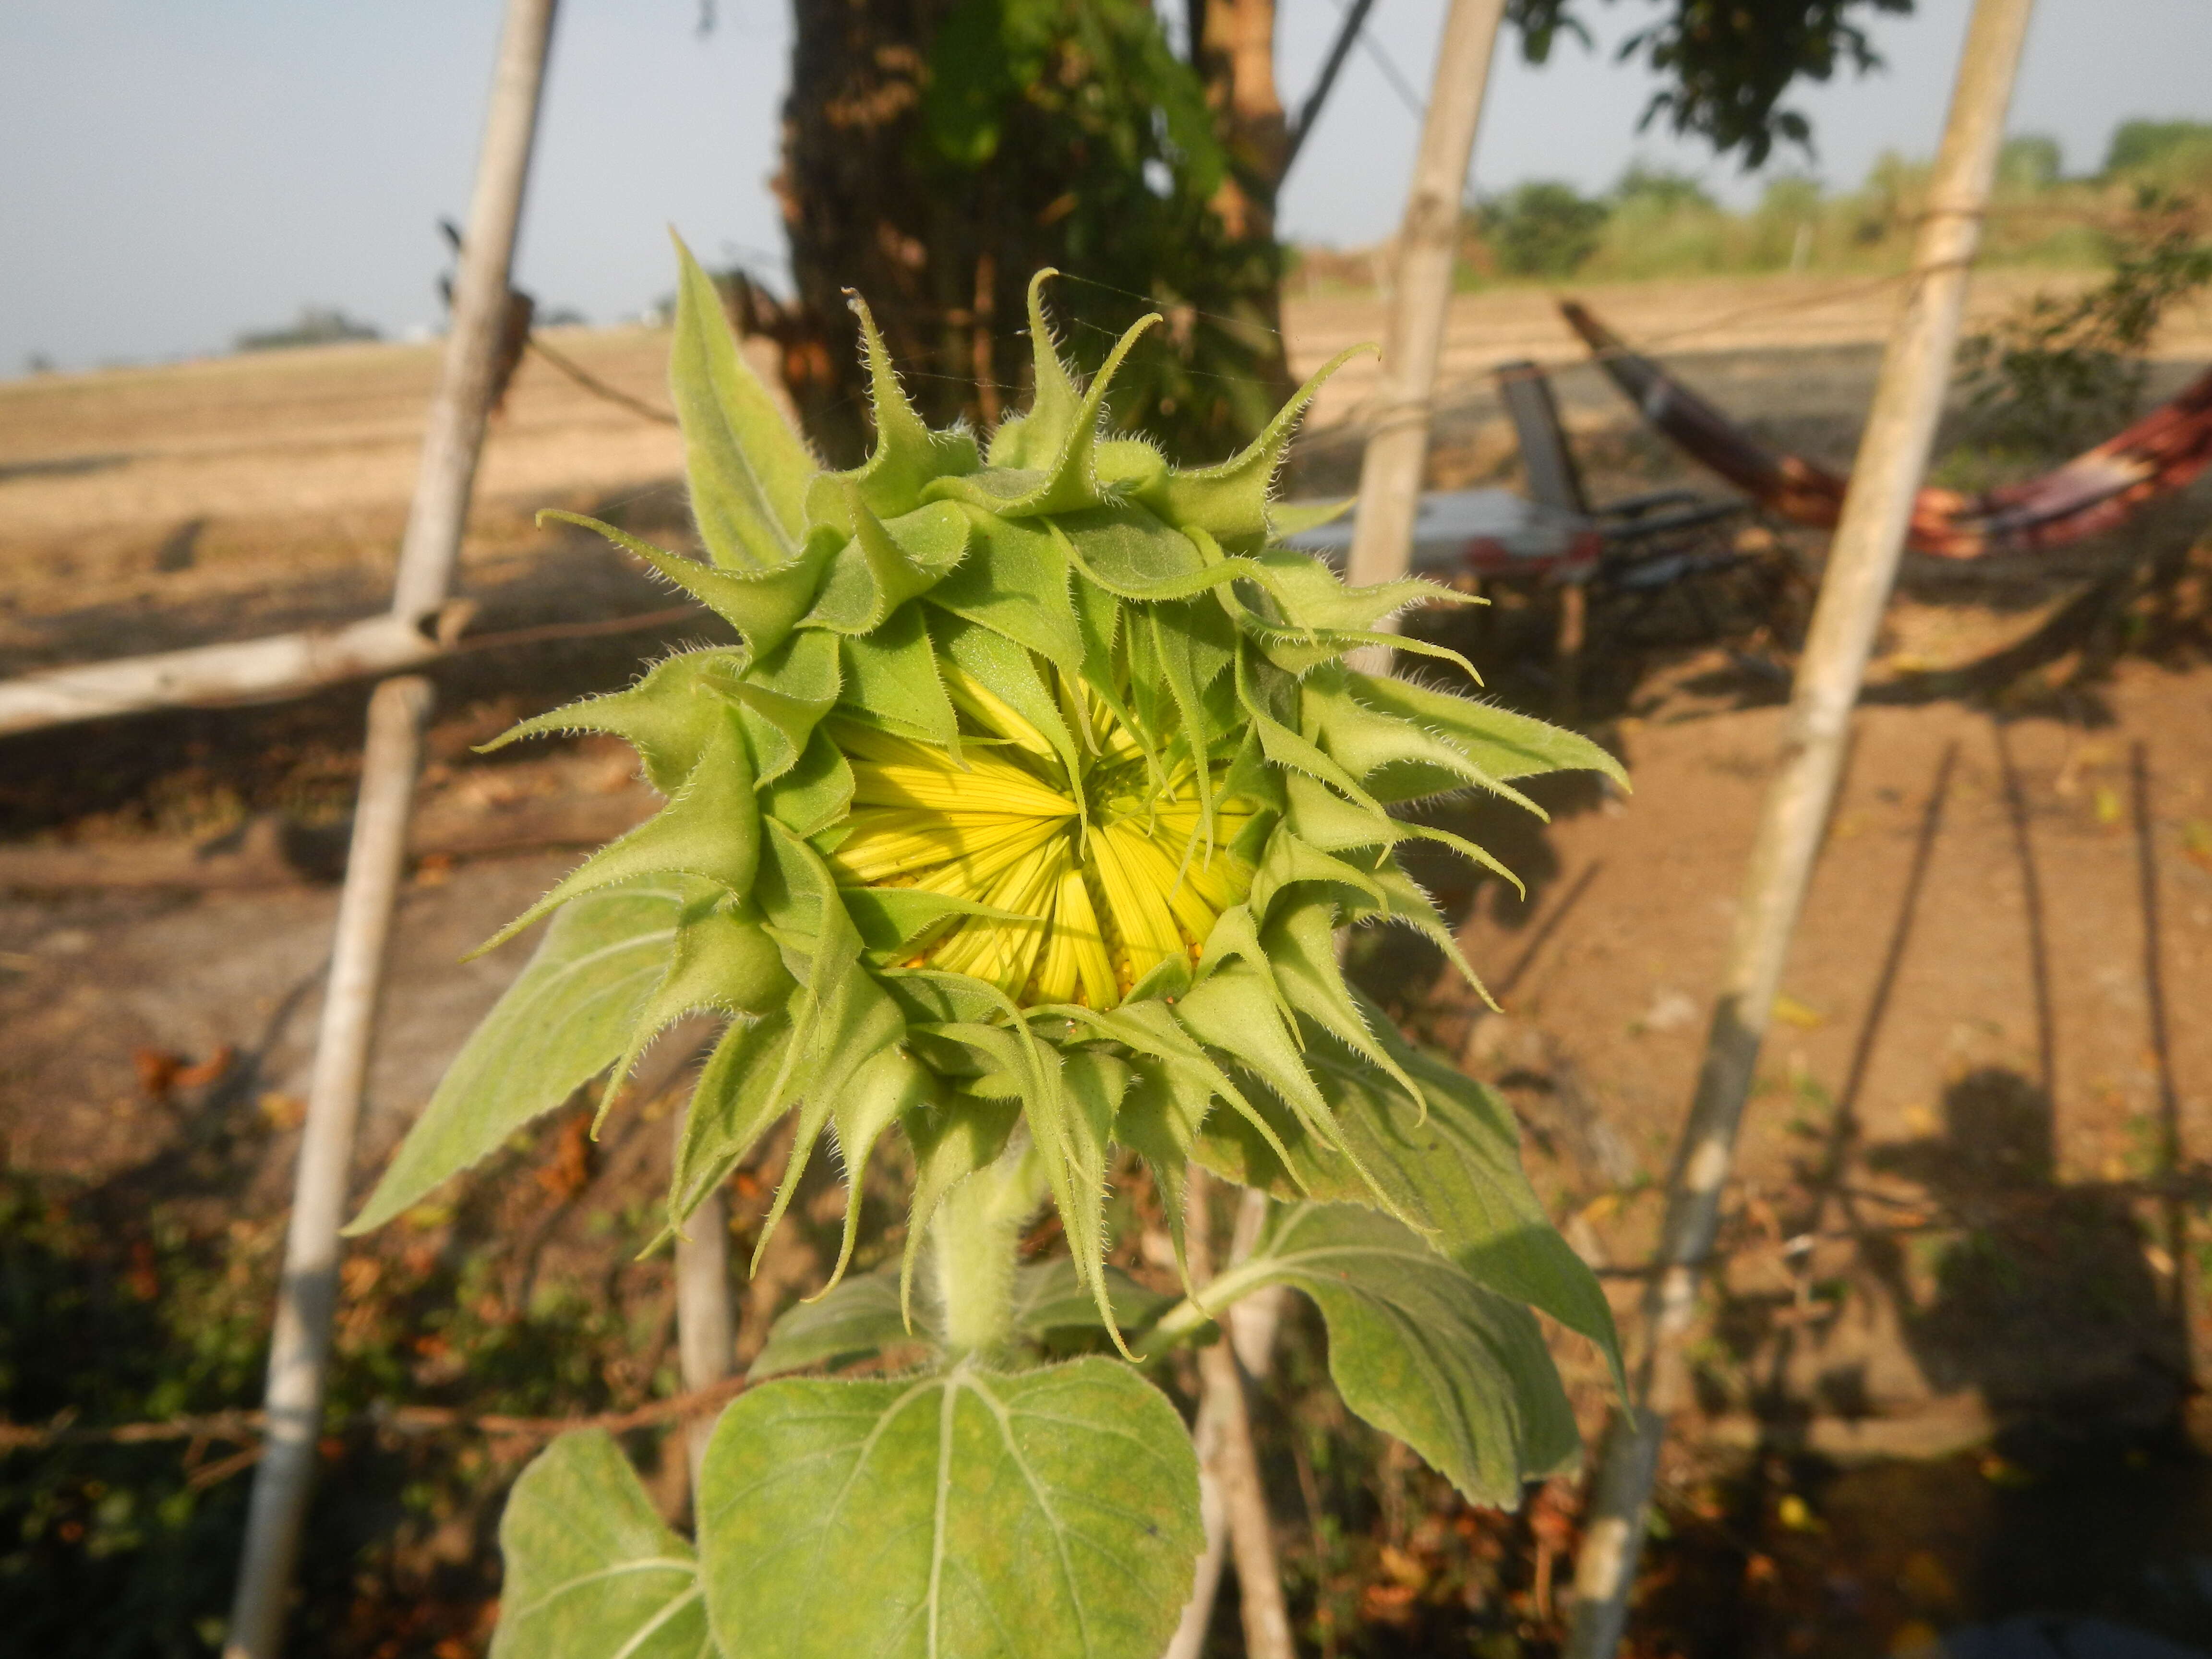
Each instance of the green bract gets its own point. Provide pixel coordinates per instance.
(1033, 796)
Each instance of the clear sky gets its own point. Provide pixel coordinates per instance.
(171, 174)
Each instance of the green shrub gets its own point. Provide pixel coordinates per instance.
(1541, 230)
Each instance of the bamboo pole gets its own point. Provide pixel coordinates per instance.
(300, 1344)
(705, 1333)
(1862, 566)
(1232, 1504)
(1390, 470)
(248, 671)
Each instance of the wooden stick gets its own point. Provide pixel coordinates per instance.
(279, 666)
(1398, 444)
(706, 1334)
(300, 1352)
(1231, 1500)
(454, 439)
(1862, 566)
(250, 671)
(706, 1327)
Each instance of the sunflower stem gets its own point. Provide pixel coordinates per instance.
(975, 1243)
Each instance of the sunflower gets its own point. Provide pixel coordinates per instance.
(1025, 811)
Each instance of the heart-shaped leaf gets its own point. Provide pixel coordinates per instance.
(1050, 1514)
(592, 1573)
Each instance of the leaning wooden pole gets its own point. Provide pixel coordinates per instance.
(300, 1344)
(1862, 566)
(1420, 301)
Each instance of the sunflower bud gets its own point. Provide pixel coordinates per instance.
(1030, 801)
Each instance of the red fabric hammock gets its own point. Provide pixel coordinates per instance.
(2095, 490)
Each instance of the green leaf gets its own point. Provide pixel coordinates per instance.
(861, 1318)
(1366, 741)
(1068, 482)
(1422, 1351)
(888, 916)
(732, 1105)
(1052, 1513)
(748, 471)
(1031, 441)
(1130, 552)
(1311, 597)
(841, 1018)
(888, 1085)
(1300, 946)
(723, 961)
(816, 793)
(1238, 1010)
(884, 565)
(858, 1319)
(566, 1018)
(1050, 1296)
(781, 698)
(1450, 1163)
(1010, 673)
(592, 1573)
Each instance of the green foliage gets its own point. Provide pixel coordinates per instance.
(591, 1570)
(147, 1296)
(1725, 65)
(1421, 1351)
(1541, 230)
(2063, 371)
(1662, 224)
(107, 1548)
(2029, 161)
(1659, 189)
(969, 1512)
(2178, 150)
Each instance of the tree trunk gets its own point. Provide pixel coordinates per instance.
(878, 200)
(1235, 58)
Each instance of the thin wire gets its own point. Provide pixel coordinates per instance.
(598, 388)
(1154, 300)
(1399, 84)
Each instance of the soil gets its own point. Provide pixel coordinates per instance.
(1963, 1286)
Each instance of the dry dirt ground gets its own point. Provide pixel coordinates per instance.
(1968, 1206)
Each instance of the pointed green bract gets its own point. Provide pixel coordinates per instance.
(566, 1018)
(747, 470)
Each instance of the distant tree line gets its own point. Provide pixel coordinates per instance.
(315, 325)
(1656, 222)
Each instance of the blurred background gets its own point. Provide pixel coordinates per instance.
(1949, 1369)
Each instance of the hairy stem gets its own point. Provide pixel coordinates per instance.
(973, 1241)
